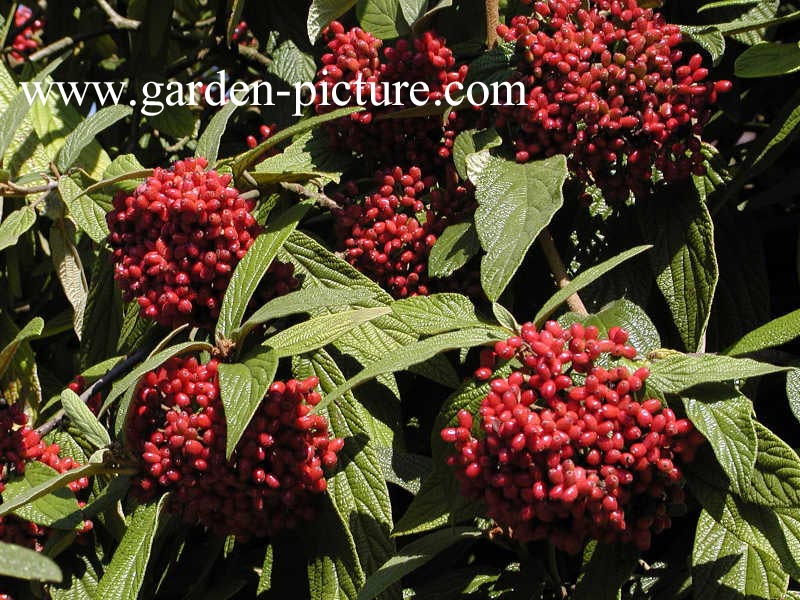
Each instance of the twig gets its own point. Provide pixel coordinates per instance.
(251, 54)
(21, 191)
(492, 21)
(318, 197)
(104, 381)
(559, 271)
(117, 20)
(67, 42)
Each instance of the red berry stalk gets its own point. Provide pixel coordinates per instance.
(567, 450)
(607, 86)
(178, 432)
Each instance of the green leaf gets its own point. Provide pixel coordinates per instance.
(493, 66)
(89, 215)
(67, 262)
(97, 464)
(18, 108)
(125, 574)
(247, 159)
(19, 379)
(31, 330)
(515, 202)
(233, 21)
(403, 468)
(175, 121)
(642, 333)
(242, 387)
(725, 567)
(726, 421)
(413, 556)
(382, 18)
(81, 573)
(605, 568)
(307, 158)
(684, 260)
(453, 249)
(412, 9)
(15, 224)
(122, 173)
(23, 563)
(707, 37)
(265, 577)
(793, 391)
(320, 331)
(208, 144)
(292, 65)
(86, 132)
(84, 420)
(58, 508)
(103, 322)
(583, 279)
(776, 477)
(322, 12)
(437, 313)
(768, 60)
(419, 352)
(132, 378)
(358, 490)
(775, 333)
(471, 141)
(252, 267)
(679, 372)
(301, 301)
(334, 572)
(504, 317)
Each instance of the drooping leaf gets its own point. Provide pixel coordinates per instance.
(103, 322)
(684, 260)
(84, 420)
(768, 59)
(413, 556)
(252, 268)
(23, 563)
(242, 388)
(726, 421)
(67, 262)
(89, 215)
(125, 574)
(382, 18)
(515, 202)
(605, 568)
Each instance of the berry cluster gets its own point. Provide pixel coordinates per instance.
(176, 240)
(382, 237)
(568, 452)
(607, 86)
(28, 40)
(20, 445)
(243, 36)
(178, 432)
(355, 58)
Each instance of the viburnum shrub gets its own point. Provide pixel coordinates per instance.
(372, 71)
(606, 84)
(260, 345)
(178, 434)
(570, 449)
(176, 241)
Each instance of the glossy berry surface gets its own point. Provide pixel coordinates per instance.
(178, 433)
(567, 449)
(28, 40)
(606, 84)
(176, 240)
